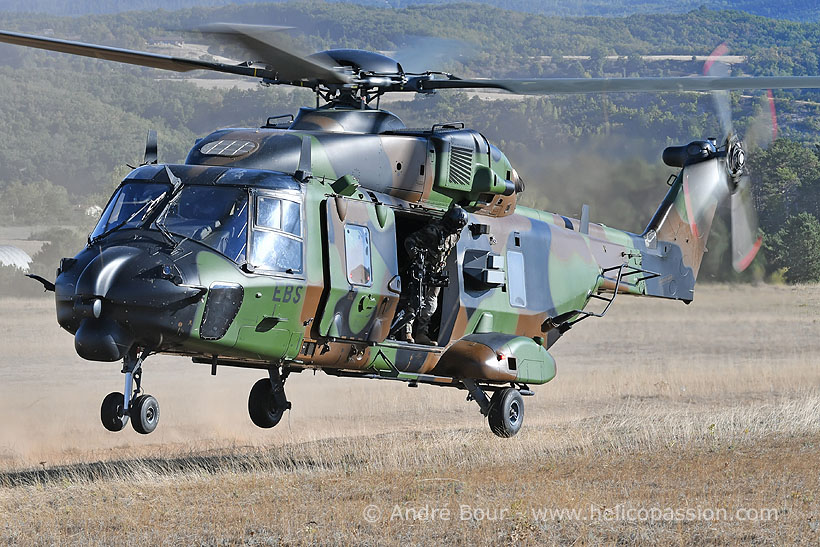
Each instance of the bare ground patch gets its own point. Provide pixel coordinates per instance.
(712, 408)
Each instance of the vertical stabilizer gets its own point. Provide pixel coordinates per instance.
(672, 221)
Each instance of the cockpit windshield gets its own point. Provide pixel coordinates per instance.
(216, 216)
(128, 206)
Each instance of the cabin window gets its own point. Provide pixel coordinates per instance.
(516, 279)
(276, 241)
(357, 251)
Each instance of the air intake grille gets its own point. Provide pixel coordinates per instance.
(461, 165)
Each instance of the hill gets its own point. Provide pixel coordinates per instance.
(796, 10)
(600, 150)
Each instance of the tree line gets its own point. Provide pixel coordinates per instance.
(71, 125)
(796, 10)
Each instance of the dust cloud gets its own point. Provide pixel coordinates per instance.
(736, 347)
(50, 400)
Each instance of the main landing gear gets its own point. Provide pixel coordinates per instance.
(504, 411)
(267, 402)
(143, 410)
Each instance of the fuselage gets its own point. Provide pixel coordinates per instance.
(282, 247)
(278, 245)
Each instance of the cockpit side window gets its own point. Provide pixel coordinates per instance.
(276, 239)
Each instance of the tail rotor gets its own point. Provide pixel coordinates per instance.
(708, 184)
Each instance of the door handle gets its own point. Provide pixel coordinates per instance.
(367, 303)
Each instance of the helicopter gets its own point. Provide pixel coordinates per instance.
(280, 247)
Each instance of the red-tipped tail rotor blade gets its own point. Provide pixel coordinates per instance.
(716, 66)
(772, 112)
(762, 130)
(704, 187)
(745, 238)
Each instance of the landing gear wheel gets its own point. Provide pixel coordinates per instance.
(262, 405)
(506, 412)
(145, 414)
(111, 412)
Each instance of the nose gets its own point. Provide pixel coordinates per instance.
(123, 296)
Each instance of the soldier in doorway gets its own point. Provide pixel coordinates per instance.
(428, 249)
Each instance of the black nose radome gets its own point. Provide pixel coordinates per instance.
(102, 340)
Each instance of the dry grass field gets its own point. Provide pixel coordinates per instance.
(666, 424)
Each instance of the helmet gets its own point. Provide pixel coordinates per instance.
(455, 219)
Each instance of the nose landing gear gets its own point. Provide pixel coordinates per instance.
(143, 410)
(112, 412)
(145, 414)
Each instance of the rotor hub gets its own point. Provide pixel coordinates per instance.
(735, 159)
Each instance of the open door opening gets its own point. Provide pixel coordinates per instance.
(406, 225)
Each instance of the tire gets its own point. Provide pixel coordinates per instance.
(506, 414)
(262, 406)
(145, 414)
(111, 412)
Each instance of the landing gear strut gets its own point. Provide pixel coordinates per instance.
(117, 408)
(504, 411)
(267, 402)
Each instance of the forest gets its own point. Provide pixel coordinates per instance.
(72, 125)
(797, 10)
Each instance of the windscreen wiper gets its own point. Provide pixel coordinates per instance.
(166, 233)
(176, 184)
(160, 222)
(147, 207)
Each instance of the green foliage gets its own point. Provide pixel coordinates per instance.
(14, 283)
(69, 131)
(796, 247)
(113, 106)
(787, 180)
(798, 10)
(60, 242)
(32, 202)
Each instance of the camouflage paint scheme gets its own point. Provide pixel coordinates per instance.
(360, 176)
(286, 243)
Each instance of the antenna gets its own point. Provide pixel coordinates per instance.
(584, 227)
(150, 148)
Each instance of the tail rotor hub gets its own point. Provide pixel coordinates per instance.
(735, 160)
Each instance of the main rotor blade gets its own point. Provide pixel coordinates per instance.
(129, 56)
(267, 45)
(421, 53)
(745, 239)
(538, 86)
